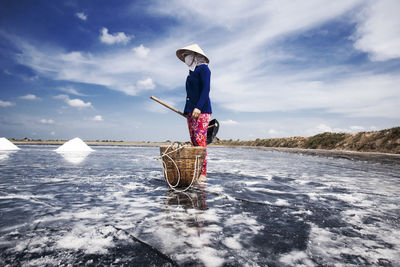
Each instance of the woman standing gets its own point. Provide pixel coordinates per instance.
(198, 104)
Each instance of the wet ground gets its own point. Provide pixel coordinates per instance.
(259, 208)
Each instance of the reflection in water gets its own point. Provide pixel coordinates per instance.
(75, 157)
(187, 200)
(5, 154)
(189, 207)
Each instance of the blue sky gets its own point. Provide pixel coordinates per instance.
(279, 68)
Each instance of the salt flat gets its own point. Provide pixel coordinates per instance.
(259, 208)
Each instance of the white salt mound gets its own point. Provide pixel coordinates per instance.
(74, 145)
(7, 145)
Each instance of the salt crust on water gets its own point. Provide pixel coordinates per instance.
(7, 145)
(91, 239)
(73, 145)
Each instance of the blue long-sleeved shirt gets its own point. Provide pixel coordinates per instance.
(198, 90)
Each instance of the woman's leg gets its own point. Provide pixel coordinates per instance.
(192, 129)
(198, 134)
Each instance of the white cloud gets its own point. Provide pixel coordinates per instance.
(47, 121)
(146, 84)
(32, 78)
(5, 104)
(229, 122)
(78, 103)
(30, 97)
(70, 90)
(265, 21)
(378, 30)
(272, 132)
(52, 133)
(356, 128)
(243, 60)
(364, 95)
(97, 118)
(118, 70)
(115, 38)
(141, 51)
(81, 15)
(324, 128)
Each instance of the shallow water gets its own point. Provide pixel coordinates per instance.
(112, 207)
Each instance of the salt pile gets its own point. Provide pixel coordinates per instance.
(74, 151)
(74, 145)
(7, 145)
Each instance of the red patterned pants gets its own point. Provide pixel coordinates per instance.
(198, 133)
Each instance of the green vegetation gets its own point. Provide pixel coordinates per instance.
(387, 141)
(325, 140)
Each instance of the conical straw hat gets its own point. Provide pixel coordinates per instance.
(194, 48)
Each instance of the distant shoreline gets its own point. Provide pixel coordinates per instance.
(91, 143)
(352, 155)
(384, 141)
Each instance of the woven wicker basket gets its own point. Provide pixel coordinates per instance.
(185, 160)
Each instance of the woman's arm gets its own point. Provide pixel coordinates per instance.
(205, 74)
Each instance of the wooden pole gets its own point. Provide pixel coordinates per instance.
(174, 109)
(168, 106)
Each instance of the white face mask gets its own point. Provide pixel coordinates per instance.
(190, 62)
